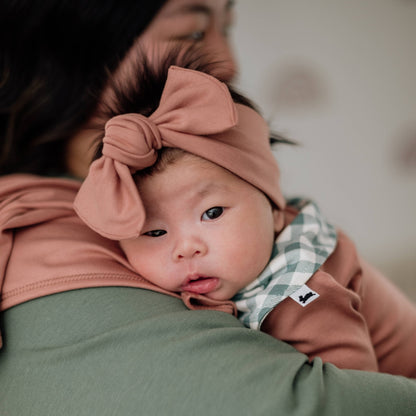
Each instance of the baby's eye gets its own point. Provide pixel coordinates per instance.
(212, 213)
(155, 233)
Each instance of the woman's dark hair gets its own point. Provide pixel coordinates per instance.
(55, 57)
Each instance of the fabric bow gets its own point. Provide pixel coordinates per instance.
(197, 114)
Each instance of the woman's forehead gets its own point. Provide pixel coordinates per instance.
(174, 7)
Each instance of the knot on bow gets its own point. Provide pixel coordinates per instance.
(133, 140)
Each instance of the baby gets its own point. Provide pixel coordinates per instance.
(191, 190)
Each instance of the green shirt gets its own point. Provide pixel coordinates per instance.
(124, 351)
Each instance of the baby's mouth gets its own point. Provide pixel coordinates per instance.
(200, 284)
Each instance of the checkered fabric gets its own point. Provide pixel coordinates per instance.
(299, 250)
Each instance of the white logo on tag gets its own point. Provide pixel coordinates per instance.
(304, 296)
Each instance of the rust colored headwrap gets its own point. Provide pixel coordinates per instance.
(197, 114)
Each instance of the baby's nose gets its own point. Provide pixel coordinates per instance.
(188, 248)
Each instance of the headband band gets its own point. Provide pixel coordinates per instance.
(197, 114)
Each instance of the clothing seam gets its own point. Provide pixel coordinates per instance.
(67, 279)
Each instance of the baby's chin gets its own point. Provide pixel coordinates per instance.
(221, 295)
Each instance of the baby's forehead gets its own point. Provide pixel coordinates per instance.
(184, 166)
(191, 178)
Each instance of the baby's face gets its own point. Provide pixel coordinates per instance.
(206, 230)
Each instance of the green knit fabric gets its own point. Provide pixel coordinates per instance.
(123, 351)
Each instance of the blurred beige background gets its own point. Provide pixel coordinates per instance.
(338, 76)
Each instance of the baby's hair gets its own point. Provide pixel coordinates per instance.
(166, 156)
(142, 93)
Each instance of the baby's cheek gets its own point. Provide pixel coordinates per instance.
(261, 253)
(251, 259)
(149, 265)
(135, 255)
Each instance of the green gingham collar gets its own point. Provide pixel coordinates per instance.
(298, 252)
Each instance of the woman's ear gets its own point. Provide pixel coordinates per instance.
(278, 220)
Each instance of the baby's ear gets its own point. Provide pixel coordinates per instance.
(278, 220)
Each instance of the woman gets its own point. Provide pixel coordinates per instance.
(124, 350)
